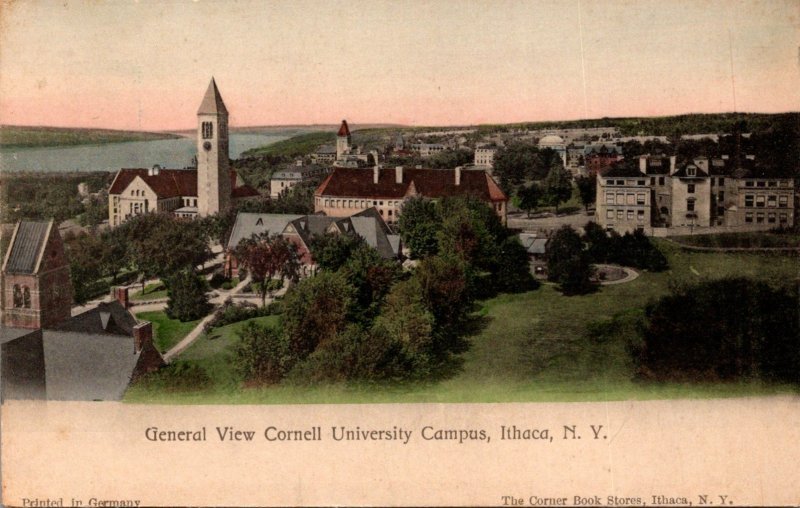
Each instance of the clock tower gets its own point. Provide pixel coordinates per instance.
(213, 165)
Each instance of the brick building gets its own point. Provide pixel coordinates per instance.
(348, 191)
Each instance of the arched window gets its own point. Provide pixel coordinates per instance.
(208, 130)
(26, 297)
(17, 296)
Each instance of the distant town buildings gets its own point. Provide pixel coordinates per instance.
(556, 143)
(288, 178)
(484, 156)
(426, 150)
(348, 156)
(205, 190)
(347, 191)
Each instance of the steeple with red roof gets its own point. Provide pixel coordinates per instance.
(343, 141)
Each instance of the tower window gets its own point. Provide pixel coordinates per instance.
(208, 130)
(26, 297)
(17, 296)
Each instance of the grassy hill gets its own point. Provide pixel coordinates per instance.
(14, 136)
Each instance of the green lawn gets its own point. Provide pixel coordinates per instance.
(763, 239)
(151, 292)
(536, 346)
(167, 332)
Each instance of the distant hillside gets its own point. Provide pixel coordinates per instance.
(699, 123)
(300, 145)
(14, 136)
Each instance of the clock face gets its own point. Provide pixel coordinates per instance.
(207, 145)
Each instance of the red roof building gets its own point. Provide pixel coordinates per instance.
(350, 190)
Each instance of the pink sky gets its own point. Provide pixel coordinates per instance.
(145, 65)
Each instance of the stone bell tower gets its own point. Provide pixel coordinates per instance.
(213, 165)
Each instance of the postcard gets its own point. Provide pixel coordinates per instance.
(399, 253)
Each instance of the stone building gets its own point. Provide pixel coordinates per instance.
(46, 352)
(287, 178)
(348, 191)
(205, 190)
(484, 156)
(712, 195)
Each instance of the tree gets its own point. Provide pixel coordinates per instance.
(315, 310)
(515, 163)
(446, 295)
(557, 186)
(331, 251)
(449, 159)
(84, 265)
(529, 197)
(262, 354)
(187, 298)
(265, 256)
(587, 187)
(418, 223)
(597, 242)
(734, 328)
(513, 274)
(567, 262)
(372, 277)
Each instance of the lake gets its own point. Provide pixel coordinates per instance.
(168, 153)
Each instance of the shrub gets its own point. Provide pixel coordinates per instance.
(262, 355)
(734, 328)
(178, 376)
(236, 312)
(187, 296)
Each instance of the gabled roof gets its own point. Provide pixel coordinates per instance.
(249, 224)
(212, 101)
(344, 130)
(87, 366)
(683, 173)
(431, 183)
(107, 318)
(26, 246)
(168, 183)
(625, 170)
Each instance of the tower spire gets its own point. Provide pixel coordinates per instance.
(212, 101)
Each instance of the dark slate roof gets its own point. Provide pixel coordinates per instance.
(682, 172)
(107, 318)
(344, 130)
(249, 224)
(86, 366)
(8, 334)
(212, 101)
(326, 149)
(624, 170)
(29, 241)
(168, 183)
(432, 183)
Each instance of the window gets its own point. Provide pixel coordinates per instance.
(640, 182)
(761, 183)
(208, 130)
(721, 195)
(784, 218)
(640, 199)
(17, 296)
(691, 171)
(660, 180)
(748, 183)
(748, 199)
(771, 217)
(690, 205)
(772, 183)
(630, 215)
(760, 200)
(620, 214)
(640, 215)
(652, 180)
(721, 180)
(760, 217)
(609, 198)
(690, 188)
(772, 201)
(620, 182)
(783, 201)
(620, 199)
(609, 214)
(630, 199)
(748, 217)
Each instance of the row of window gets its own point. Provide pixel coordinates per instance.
(767, 183)
(626, 182)
(208, 130)
(137, 192)
(628, 215)
(762, 200)
(625, 199)
(771, 217)
(357, 203)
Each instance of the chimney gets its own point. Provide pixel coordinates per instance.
(376, 172)
(458, 175)
(672, 159)
(398, 174)
(142, 335)
(120, 294)
(643, 164)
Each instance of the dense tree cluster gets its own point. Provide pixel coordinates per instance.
(631, 249)
(729, 329)
(362, 318)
